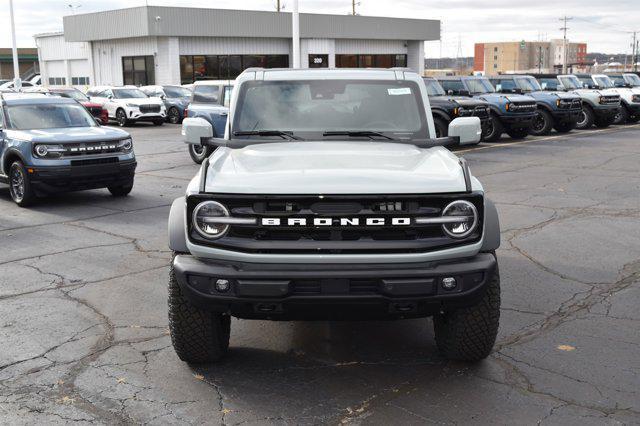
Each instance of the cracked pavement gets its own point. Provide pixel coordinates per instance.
(83, 314)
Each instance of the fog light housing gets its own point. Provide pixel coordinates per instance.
(222, 285)
(449, 283)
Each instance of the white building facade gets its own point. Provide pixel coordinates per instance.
(169, 45)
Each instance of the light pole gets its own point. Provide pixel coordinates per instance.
(16, 69)
(295, 30)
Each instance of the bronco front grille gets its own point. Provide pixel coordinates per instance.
(91, 148)
(610, 100)
(337, 237)
(522, 107)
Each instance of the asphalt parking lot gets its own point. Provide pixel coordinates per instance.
(83, 314)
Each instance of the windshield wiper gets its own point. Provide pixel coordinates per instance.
(357, 133)
(281, 133)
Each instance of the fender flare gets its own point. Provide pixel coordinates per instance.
(491, 227)
(545, 106)
(9, 154)
(177, 223)
(440, 114)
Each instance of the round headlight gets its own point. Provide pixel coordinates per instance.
(126, 144)
(468, 215)
(204, 219)
(42, 150)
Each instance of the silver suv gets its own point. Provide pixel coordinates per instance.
(330, 197)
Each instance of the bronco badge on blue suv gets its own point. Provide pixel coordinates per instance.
(52, 144)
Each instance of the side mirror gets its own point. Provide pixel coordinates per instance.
(450, 92)
(163, 96)
(196, 128)
(467, 129)
(109, 96)
(464, 92)
(517, 91)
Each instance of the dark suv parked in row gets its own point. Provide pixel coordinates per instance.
(445, 108)
(52, 144)
(557, 110)
(512, 113)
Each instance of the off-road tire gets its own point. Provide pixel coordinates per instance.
(20, 188)
(469, 334)
(442, 128)
(199, 156)
(198, 336)
(518, 133)
(174, 116)
(542, 123)
(622, 117)
(564, 127)
(494, 129)
(121, 118)
(121, 191)
(586, 119)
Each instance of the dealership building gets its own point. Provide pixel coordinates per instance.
(171, 45)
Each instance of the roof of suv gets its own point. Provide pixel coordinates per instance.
(34, 98)
(320, 73)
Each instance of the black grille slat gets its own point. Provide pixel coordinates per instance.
(149, 108)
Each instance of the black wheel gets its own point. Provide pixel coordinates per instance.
(121, 118)
(469, 334)
(198, 152)
(622, 116)
(518, 133)
(197, 336)
(442, 129)
(174, 116)
(121, 191)
(494, 129)
(565, 127)
(586, 118)
(542, 123)
(19, 185)
(158, 122)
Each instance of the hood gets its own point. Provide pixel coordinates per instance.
(499, 97)
(335, 168)
(68, 134)
(143, 101)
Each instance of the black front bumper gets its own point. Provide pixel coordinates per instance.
(81, 175)
(567, 116)
(519, 121)
(333, 291)
(606, 111)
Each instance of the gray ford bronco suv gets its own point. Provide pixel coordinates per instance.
(329, 197)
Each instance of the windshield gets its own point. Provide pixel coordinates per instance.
(603, 81)
(570, 82)
(312, 107)
(48, 116)
(433, 88)
(632, 79)
(73, 94)
(549, 83)
(479, 85)
(528, 84)
(129, 94)
(176, 92)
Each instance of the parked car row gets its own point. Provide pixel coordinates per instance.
(535, 104)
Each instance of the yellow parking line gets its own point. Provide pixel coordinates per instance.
(547, 138)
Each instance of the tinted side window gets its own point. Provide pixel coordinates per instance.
(548, 83)
(455, 85)
(206, 94)
(504, 85)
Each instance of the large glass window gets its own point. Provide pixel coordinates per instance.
(129, 94)
(138, 70)
(371, 61)
(455, 86)
(225, 67)
(311, 107)
(433, 87)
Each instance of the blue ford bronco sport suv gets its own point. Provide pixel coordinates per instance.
(52, 144)
(557, 110)
(512, 113)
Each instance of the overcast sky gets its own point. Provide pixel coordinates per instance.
(605, 26)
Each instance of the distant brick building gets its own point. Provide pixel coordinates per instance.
(27, 60)
(526, 56)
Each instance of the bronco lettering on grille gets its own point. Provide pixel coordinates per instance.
(329, 221)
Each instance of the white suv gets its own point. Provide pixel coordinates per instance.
(128, 104)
